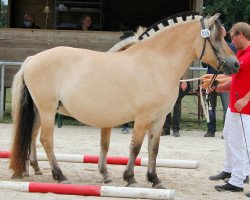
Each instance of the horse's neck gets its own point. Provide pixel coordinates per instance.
(174, 48)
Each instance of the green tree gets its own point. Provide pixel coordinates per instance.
(247, 12)
(232, 11)
(3, 15)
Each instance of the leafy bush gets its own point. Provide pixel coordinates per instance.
(3, 15)
(232, 11)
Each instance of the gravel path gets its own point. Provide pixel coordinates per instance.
(189, 184)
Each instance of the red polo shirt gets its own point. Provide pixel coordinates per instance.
(241, 81)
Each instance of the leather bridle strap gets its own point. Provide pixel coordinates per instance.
(205, 34)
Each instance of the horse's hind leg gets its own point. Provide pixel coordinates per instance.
(153, 146)
(102, 164)
(33, 154)
(46, 138)
(139, 131)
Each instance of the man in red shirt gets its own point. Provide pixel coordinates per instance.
(237, 124)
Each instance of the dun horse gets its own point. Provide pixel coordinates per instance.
(107, 89)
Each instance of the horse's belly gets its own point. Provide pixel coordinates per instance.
(98, 114)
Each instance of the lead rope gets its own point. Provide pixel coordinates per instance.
(206, 105)
(203, 104)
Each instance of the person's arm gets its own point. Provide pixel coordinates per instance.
(206, 79)
(241, 103)
(223, 80)
(209, 76)
(224, 87)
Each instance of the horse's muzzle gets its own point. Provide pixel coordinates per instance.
(231, 67)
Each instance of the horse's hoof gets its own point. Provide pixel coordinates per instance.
(26, 174)
(133, 185)
(107, 180)
(65, 182)
(38, 173)
(159, 186)
(17, 176)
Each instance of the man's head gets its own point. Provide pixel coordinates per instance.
(86, 22)
(240, 35)
(28, 20)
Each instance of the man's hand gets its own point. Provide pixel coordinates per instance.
(205, 83)
(183, 86)
(240, 104)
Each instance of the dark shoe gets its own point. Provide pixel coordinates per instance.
(246, 179)
(209, 134)
(125, 130)
(248, 194)
(222, 137)
(226, 180)
(220, 176)
(176, 133)
(228, 187)
(165, 132)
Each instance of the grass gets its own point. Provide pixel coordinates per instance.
(7, 113)
(189, 119)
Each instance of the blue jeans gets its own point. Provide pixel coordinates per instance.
(224, 96)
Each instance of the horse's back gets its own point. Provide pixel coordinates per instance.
(97, 88)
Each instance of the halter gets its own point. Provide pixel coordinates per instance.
(205, 33)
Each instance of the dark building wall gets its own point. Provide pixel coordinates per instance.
(18, 8)
(130, 13)
(144, 12)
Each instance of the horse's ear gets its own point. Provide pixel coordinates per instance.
(212, 19)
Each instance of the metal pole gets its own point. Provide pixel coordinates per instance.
(2, 93)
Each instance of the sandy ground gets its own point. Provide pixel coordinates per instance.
(189, 184)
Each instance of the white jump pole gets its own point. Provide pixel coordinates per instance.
(115, 160)
(89, 190)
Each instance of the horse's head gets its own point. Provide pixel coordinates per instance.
(211, 47)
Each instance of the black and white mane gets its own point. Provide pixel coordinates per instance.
(168, 22)
(143, 33)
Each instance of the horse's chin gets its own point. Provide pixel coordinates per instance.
(226, 72)
(230, 70)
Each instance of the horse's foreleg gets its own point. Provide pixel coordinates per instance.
(102, 164)
(33, 154)
(135, 146)
(47, 130)
(153, 146)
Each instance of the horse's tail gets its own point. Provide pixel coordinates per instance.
(23, 115)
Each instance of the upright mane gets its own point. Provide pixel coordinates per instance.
(156, 27)
(168, 22)
(128, 42)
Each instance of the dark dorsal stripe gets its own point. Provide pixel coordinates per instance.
(165, 22)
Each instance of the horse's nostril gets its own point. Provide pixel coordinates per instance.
(236, 65)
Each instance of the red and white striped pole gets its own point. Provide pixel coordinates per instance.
(88, 190)
(115, 160)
